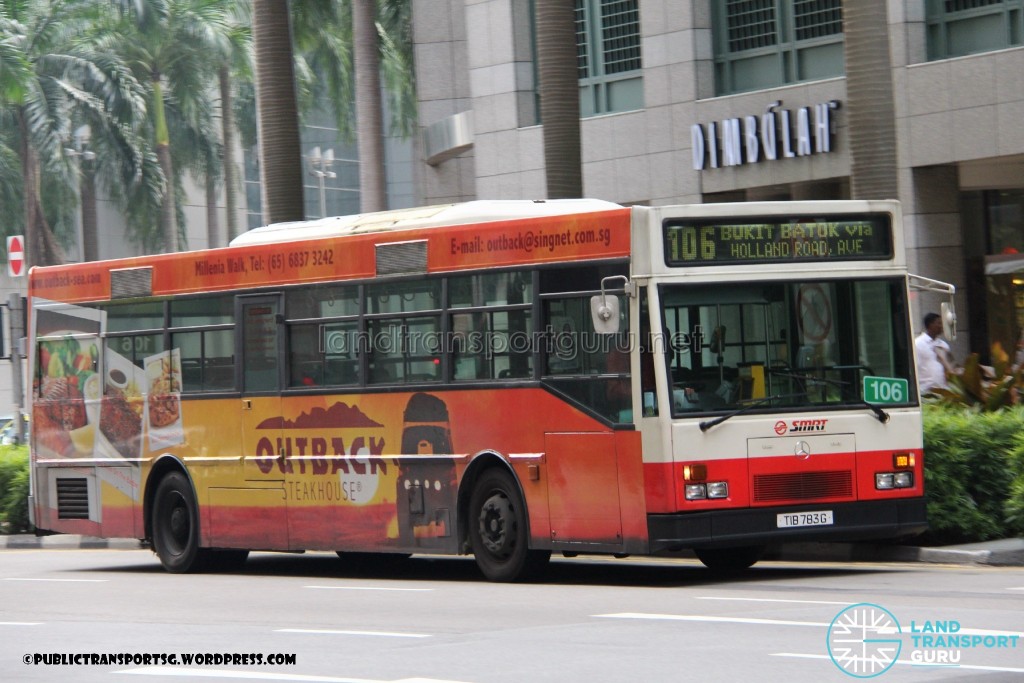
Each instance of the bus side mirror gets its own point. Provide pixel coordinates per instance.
(948, 314)
(604, 308)
(604, 312)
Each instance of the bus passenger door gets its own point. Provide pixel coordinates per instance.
(262, 498)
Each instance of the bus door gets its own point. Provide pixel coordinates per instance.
(265, 450)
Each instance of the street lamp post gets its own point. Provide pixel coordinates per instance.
(321, 164)
(81, 152)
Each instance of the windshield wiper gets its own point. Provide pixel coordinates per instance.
(708, 424)
(882, 416)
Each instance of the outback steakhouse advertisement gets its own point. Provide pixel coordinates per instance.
(557, 238)
(323, 471)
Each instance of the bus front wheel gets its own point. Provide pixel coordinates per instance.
(729, 559)
(497, 530)
(176, 525)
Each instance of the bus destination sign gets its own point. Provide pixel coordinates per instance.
(707, 242)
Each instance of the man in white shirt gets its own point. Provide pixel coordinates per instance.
(933, 355)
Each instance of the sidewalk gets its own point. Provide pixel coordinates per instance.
(1008, 552)
(65, 542)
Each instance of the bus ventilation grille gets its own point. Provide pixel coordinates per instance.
(129, 283)
(72, 498)
(803, 486)
(402, 257)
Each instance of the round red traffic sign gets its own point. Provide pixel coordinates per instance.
(15, 256)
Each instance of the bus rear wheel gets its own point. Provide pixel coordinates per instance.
(729, 560)
(176, 525)
(497, 530)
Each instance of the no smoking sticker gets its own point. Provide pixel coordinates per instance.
(815, 312)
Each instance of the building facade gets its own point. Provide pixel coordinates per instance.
(701, 101)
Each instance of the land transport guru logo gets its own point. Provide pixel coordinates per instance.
(865, 640)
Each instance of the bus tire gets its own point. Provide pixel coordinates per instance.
(497, 530)
(729, 560)
(176, 525)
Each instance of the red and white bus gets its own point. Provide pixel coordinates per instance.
(502, 378)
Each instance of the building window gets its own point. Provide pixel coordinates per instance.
(964, 27)
(768, 43)
(608, 56)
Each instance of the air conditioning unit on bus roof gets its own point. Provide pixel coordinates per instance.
(477, 211)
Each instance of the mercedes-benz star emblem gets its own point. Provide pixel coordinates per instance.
(802, 450)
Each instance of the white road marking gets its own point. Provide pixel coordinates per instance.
(795, 602)
(981, 632)
(974, 667)
(389, 634)
(701, 617)
(782, 622)
(1016, 588)
(66, 581)
(371, 588)
(21, 623)
(182, 672)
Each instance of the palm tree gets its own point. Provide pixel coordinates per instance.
(277, 113)
(870, 105)
(238, 67)
(176, 46)
(49, 72)
(369, 114)
(559, 97)
(324, 65)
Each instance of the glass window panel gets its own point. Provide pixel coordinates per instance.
(322, 302)
(198, 312)
(404, 350)
(190, 346)
(403, 297)
(493, 289)
(136, 316)
(491, 345)
(260, 354)
(800, 344)
(305, 360)
(218, 360)
(341, 352)
(136, 347)
(207, 359)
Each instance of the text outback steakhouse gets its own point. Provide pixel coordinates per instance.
(159, 659)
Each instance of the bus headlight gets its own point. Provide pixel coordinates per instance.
(894, 480)
(718, 489)
(904, 480)
(696, 492)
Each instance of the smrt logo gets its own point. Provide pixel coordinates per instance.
(800, 426)
(808, 426)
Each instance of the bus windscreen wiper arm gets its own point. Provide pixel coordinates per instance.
(708, 424)
(882, 416)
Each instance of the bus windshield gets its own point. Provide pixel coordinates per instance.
(805, 345)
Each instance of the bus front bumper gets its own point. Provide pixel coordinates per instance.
(759, 526)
